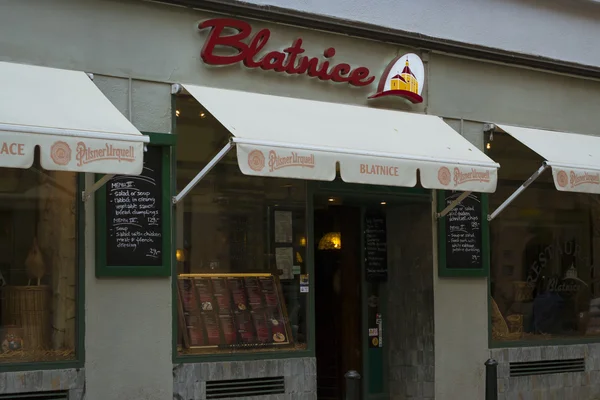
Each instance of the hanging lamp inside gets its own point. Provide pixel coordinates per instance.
(331, 241)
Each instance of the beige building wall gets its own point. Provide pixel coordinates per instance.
(469, 93)
(136, 49)
(128, 321)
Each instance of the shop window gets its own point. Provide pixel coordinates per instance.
(38, 265)
(545, 281)
(240, 248)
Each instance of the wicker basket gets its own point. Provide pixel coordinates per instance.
(500, 329)
(28, 307)
(515, 323)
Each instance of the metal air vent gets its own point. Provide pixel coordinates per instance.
(245, 388)
(546, 367)
(35, 396)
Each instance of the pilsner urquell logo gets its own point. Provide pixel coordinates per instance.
(294, 160)
(473, 175)
(584, 178)
(86, 155)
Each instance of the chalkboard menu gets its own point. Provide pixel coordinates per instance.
(134, 215)
(375, 247)
(232, 311)
(463, 232)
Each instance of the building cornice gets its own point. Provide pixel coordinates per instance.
(381, 34)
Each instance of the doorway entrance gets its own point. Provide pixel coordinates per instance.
(348, 293)
(337, 297)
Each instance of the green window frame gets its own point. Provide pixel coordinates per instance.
(166, 142)
(262, 355)
(80, 301)
(313, 188)
(499, 344)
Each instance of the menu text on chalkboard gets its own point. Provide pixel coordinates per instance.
(463, 232)
(134, 217)
(375, 242)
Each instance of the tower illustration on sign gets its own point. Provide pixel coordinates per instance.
(403, 77)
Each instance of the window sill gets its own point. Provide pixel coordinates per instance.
(543, 343)
(40, 366)
(239, 356)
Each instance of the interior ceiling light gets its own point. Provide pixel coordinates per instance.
(202, 114)
(177, 113)
(331, 241)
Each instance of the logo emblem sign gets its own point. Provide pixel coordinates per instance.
(444, 176)
(60, 152)
(403, 77)
(562, 178)
(256, 160)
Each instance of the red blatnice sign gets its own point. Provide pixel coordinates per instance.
(289, 61)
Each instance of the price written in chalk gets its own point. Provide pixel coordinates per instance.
(375, 239)
(134, 234)
(463, 232)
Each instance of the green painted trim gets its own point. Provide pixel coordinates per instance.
(374, 360)
(490, 311)
(445, 272)
(499, 344)
(165, 139)
(365, 190)
(540, 343)
(383, 294)
(80, 299)
(173, 188)
(103, 270)
(239, 356)
(58, 395)
(310, 257)
(364, 310)
(41, 366)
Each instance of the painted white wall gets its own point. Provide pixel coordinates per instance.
(460, 317)
(128, 327)
(558, 29)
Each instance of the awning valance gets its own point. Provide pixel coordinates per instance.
(295, 138)
(574, 158)
(64, 114)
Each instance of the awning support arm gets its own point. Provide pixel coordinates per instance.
(86, 194)
(203, 172)
(453, 205)
(517, 192)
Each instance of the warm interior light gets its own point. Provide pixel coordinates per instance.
(202, 115)
(331, 241)
(177, 113)
(180, 255)
(331, 199)
(303, 241)
(383, 203)
(488, 145)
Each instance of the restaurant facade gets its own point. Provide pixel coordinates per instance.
(202, 205)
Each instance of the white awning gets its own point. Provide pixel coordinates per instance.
(68, 117)
(574, 158)
(294, 138)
